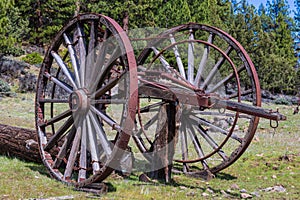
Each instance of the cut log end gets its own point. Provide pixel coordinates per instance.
(20, 143)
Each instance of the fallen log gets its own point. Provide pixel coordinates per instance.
(20, 143)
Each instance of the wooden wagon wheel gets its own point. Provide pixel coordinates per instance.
(85, 100)
(194, 59)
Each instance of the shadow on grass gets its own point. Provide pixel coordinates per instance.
(224, 176)
(39, 168)
(180, 184)
(183, 185)
(103, 187)
(197, 172)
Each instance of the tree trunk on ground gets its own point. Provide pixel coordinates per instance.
(19, 142)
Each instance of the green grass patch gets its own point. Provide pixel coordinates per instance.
(23, 180)
(271, 161)
(18, 111)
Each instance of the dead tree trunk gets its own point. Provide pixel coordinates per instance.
(19, 142)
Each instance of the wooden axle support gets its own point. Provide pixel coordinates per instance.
(204, 101)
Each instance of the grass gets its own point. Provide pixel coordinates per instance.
(18, 111)
(22, 180)
(272, 161)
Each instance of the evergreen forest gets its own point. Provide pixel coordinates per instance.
(270, 33)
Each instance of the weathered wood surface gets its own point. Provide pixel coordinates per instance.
(19, 142)
(165, 142)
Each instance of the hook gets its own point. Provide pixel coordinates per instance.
(274, 126)
(221, 110)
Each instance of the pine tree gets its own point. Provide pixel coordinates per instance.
(13, 28)
(6, 40)
(281, 77)
(45, 18)
(211, 12)
(297, 31)
(173, 13)
(297, 42)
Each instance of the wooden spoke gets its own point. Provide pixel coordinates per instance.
(93, 130)
(73, 153)
(151, 121)
(101, 134)
(108, 101)
(163, 61)
(106, 64)
(96, 71)
(151, 107)
(106, 119)
(191, 58)
(59, 133)
(220, 114)
(184, 149)
(55, 119)
(101, 91)
(91, 68)
(197, 146)
(203, 61)
(81, 48)
(217, 129)
(223, 82)
(146, 126)
(215, 69)
(60, 83)
(64, 149)
(211, 142)
(82, 174)
(178, 58)
(54, 101)
(74, 60)
(65, 69)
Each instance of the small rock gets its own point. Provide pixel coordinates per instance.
(246, 196)
(234, 187)
(225, 194)
(228, 191)
(182, 187)
(5, 196)
(256, 194)
(277, 188)
(275, 167)
(205, 194)
(209, 190)
(256, 139)
(61, 198)
(243, 191)
(191, 194)
(274, 176)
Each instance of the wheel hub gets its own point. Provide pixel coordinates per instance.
(79, 101)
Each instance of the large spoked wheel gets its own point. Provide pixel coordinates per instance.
(85, 100)
(190, 61)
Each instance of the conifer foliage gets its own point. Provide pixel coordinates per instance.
(269, 34)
